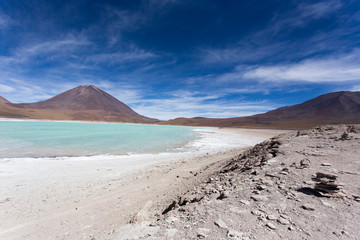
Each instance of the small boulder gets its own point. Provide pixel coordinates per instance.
(271, 226)
(245, 202)
(283, 221)
(305, 163)
(202, 232)
(220, 223)
(259, 198)
(308, 207)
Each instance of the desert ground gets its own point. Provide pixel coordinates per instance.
(91, 199)
(298, 185)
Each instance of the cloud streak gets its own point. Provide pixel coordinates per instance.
(339, 68)
(193, 104)
(120, 57)
(5, 21)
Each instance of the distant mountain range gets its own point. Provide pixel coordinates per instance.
(89, 103)
(331, 108)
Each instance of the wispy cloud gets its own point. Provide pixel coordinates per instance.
(6, 89)
(338, 68)
(5, 21)
(14, 89)
(193, 104)
(318, 10)
(120, 57)
(132, 20)
(272, 41)
(45, 50)
(302, 15)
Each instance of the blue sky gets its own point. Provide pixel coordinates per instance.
(172, 58)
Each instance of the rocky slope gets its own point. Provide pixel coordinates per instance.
(300, 185)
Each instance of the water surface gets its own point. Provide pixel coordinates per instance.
(54, 139)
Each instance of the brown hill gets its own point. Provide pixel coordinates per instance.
(331, 108)
(3, 100)
(87, 103)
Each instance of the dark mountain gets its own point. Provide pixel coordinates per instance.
(331, 108)
(87, 103)
(337, 105)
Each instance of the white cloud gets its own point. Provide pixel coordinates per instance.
(303, 15)
(5, 21)
(6, 89)
(18, 90)
(319, 10)
(191, 104)
(48, 50)
(340, 68)
(355, 88)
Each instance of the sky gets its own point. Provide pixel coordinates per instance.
(181, 58)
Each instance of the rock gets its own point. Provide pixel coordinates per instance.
(356, 198)
(256, 212)
(267, 182)
(142, 215)
(270, 225)
(271, 175)
(283, 221)
(220, 223)
(261, 187)
(325, 185)
(245, 202)
(293, 165)
(308, 182)
(285, 217)
(268, 156)
(202, 232)
(170, 207)
(305, 163)
(326, 164)
(345, 136)
(235, 234)
(224, 194)
(271, 217)
(308, 207)
(237, 210)
(259, 198)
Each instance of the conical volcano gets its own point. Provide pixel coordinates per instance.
(86, 103)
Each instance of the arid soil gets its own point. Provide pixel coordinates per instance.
(268, 192)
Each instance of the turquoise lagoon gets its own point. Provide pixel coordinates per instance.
(20, 139)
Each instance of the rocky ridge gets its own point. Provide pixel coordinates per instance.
(271, 191)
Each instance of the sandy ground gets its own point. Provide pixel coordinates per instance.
(90, 199)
